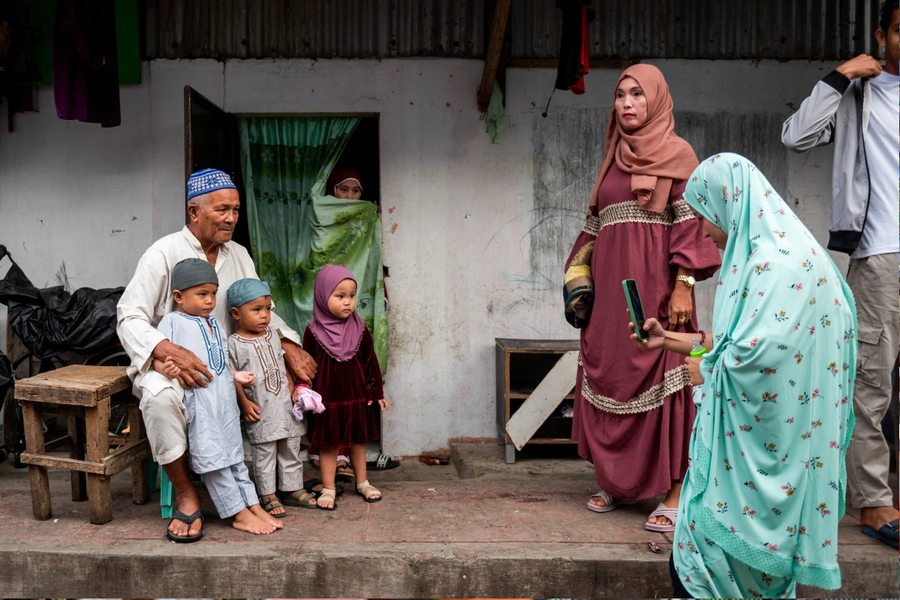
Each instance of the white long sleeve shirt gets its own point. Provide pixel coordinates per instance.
(149, 295)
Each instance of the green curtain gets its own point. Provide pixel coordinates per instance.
(295, 229)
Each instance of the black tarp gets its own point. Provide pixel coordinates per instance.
(51, 321)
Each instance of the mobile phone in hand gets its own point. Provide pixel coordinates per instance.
(635, 308)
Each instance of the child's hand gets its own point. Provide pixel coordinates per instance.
(167, 367)
(250, 411)
(382, 403)
(244, 378)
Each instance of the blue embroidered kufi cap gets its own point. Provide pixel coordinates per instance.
(193, 271)
(206, 181)
(243, 291)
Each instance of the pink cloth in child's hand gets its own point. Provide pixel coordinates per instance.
(307, 399)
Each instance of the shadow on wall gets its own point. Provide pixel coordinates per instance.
(568, 150)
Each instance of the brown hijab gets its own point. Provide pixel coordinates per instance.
(653, 155)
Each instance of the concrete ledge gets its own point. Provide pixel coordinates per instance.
(406, 570)
(488, 461)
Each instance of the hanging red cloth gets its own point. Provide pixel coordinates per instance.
(574, 51)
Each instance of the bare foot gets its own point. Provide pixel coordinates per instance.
(188, 503)
(877, 517)
(671, 501)
(278, 510)
(247, 521)
(260, 513)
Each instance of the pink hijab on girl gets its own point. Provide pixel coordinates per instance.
(339, 337)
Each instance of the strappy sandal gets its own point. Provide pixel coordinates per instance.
(363, 488)
(328, 494)
(271, 504)
(187, 520)
(345, 471)
(309, 484)
(300, 499)
(662, 511)
(611, 503)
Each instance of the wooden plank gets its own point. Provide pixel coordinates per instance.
(79, 481)
(61, 462)
(79, 385)
(551, 441)
(541, 346)
(96, 421)
(492, 57)
(56, 443)
(125, 457)
(546, 398)
(137, 434)
(37, 475)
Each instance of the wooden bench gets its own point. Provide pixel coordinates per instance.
(84, 394)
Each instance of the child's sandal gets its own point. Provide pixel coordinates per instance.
(328, 494)
(366, 490)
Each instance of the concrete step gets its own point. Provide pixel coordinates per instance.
(487, 537)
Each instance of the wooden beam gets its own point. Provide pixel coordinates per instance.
(60, 462)
(492, 58)
(125, 457)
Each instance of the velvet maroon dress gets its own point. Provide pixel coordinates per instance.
(633, 407)
(346, 389)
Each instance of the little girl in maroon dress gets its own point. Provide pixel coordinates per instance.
(348, 379)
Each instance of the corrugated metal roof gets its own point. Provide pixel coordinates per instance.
(314, 28)
(624, 29)
(775, 29)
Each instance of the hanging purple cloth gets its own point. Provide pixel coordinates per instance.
(85, 64)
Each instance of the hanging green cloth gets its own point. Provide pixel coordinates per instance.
(295, 230)
(496, 118)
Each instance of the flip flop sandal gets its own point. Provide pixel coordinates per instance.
(362, 489)
(328, 494)
(382, 463)
(611, 503)
(662, 511)
(345, 472)
(310, 484)
(887, 533)
(300, 499)
(188, 520)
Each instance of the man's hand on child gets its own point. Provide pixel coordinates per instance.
(244, 378)
(250, 412)
(382, 403)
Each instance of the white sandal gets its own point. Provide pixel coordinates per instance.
(367, 491)
(611, 503)
(328, 494)
(662, 511)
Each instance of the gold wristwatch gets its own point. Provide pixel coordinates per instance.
(688, 280)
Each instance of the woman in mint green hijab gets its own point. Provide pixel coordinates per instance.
(764, 493)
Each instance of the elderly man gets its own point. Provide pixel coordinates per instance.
(213, 205)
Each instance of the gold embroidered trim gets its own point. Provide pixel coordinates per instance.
(268, 361)
(673, 381)
(592, 225)
(682, 211)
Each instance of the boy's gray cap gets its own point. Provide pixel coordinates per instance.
(191, 272)
(243, 291)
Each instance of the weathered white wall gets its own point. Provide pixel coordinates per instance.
(474, 234)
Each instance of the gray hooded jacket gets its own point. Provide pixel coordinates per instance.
(838, 111)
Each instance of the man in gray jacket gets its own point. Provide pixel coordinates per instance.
(856, 107)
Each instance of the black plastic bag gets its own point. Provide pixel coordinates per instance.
(51, 321)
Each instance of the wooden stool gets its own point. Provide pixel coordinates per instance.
(84, 394)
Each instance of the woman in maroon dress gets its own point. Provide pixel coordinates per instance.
(633, 409)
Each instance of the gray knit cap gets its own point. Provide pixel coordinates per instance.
(191, 272)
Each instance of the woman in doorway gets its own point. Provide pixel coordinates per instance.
(633, 411)
(761, 502)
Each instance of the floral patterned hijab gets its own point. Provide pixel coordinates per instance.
(775, 415)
